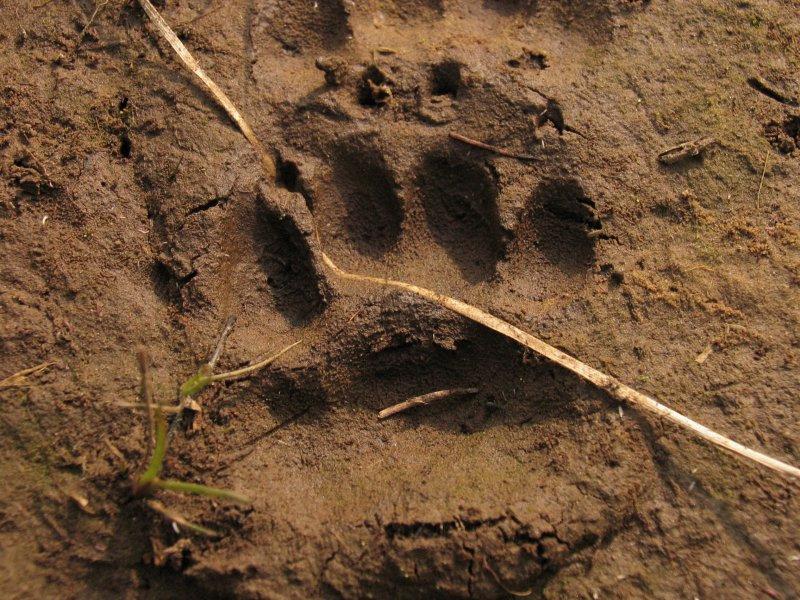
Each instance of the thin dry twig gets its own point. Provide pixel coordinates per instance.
(425, 399)
(464, 139)
(167, 410)
(703, 356)
(610, 384)
(116, 452)
(199, 17)
(97, 8)
(190, 62)
(761, 183)
(676, 154)
(20, 378)
(223, 336)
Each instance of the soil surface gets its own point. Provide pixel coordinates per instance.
(134, 213)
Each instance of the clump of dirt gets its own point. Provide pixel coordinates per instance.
(134, 213)
(375, 87)
(784, 136)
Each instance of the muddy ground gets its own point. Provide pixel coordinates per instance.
(134, 213)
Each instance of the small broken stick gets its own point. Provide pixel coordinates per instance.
(167, 410)
(221, 339)
(686, 150)
(425, 399)
(20, 378)
(464, 139)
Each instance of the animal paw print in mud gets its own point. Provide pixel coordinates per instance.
(407, 198)
(371, 176)
(369, 164)
(443, 215)
(389, 192)
(403, 198)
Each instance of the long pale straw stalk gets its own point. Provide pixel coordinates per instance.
(219, 95)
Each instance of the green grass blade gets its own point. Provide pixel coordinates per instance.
(201, 490)
(156, 463)
(195, 528)
(195, 384)
(180, 520)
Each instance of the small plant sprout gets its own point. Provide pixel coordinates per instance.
(205, 375)
(150, 480)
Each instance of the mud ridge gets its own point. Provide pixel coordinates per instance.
(293, 272)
